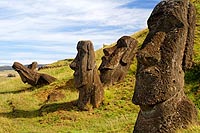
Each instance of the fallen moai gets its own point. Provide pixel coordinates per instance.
(160, 77)
(117, 60)
(86, 78)
(32, 77)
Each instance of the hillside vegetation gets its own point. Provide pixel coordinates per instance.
(25, 109)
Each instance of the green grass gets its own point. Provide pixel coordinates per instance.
(25, 109)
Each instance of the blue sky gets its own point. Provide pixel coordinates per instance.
(49, 30)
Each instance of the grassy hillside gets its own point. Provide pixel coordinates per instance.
(25, 109)
(192, 80)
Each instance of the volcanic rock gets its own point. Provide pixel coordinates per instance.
(160, 76)
(86, 77)
(32, 77)
(117, 60)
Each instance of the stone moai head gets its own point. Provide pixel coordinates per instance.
(160, 76)
(117, 59)
(25, 73)
(159, 72)
(83, 64)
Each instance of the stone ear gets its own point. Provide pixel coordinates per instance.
(90, 57)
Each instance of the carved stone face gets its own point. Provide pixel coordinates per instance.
(117, 60)
(83, 64)
(159, 89)
(23, 71)
(113, 56)
(159, 73)
(164, 19)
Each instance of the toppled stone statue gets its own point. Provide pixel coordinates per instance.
(86, 77)
(160, 77)
(117, 60)
(32, 77)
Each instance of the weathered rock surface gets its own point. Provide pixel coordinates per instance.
(32, 77)
(86, 78)
(188, 53)
(33, 66)
(117, 60)
(160, 77)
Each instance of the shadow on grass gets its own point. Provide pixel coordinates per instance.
(19, 91)
(193, 75)
(68, 84)
(45, 109)
(20, 114)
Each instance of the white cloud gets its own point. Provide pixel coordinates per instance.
(66, 22)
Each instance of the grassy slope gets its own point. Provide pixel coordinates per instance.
(192, 79)
(23, 108)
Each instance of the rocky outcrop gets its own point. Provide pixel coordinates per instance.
(117, 60)
(160, 76)
(86, 78)
(32, 77)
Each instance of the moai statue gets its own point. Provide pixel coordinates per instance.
(160, 77)
(86, 78)
(31, 77)
(117, 60)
